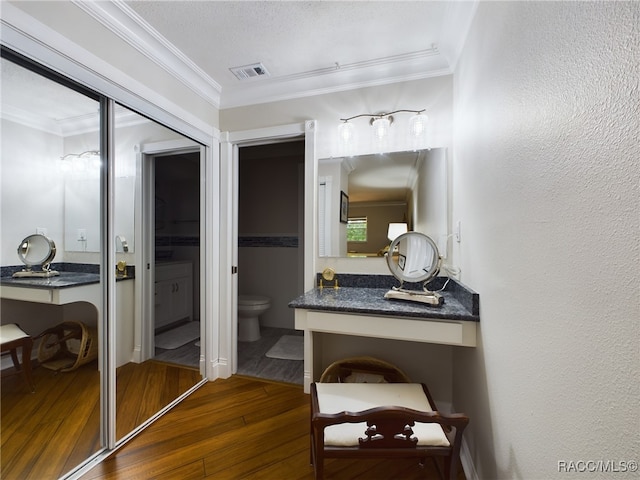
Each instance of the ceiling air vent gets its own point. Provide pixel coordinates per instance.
(250, 71)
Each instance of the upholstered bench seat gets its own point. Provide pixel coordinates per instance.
(357, 397)
(382, 420)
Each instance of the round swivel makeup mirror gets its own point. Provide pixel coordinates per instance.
(413, 257)
(36, 250)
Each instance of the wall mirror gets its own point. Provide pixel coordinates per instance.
(39, 126)
(82, 213)
(41, 130)
(395, 187)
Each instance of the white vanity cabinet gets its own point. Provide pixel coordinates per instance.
(173, 292)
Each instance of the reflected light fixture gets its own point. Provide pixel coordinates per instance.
(380, 123)
(80, 162)
(345, 130)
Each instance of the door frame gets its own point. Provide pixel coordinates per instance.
(230, 142)
(144, 343)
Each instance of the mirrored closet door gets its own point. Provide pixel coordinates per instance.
(72, 173)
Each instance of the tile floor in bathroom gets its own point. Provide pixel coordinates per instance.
(252, 361)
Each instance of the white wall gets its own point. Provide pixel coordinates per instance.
(32, 190)
(546, 180)
(434, 94)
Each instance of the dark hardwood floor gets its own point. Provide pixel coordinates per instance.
(240, 428)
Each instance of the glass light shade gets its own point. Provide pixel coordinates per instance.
(65, 165)
(418, 125)
(395, 230)
(345, 131)
(381, 128)
(96, 162)
(79, 164)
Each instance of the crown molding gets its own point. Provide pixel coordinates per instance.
(293, 90)
(28, 119)
(120, 19)
(29, 37)
(66, 127)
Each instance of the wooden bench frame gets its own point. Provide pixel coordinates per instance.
(25, 342)
(388, 424)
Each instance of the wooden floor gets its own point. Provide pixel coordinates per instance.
(239, 428)
(47, 433)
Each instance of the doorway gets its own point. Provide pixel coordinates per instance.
(271, 192)
(176, 312)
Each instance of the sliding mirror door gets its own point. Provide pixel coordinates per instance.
(157, 270)
(91, 182)
(50, 154)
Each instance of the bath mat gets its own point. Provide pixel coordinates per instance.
(176, 337)
(288, 347)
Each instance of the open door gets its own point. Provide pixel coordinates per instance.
(229, 156)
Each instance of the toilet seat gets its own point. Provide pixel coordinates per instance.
(252, 300)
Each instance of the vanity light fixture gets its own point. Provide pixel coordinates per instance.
(80, 162)
(418, 125)
(381, 122)
(345, 131)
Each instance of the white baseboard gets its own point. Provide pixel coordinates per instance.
(467, 463)
(219, 368)
(465, 454)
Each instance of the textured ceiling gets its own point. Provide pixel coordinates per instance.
(310, 47)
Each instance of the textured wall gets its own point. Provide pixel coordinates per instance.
(546, 177)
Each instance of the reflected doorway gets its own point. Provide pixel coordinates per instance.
(176, 322)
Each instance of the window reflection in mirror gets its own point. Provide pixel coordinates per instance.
(396, 187)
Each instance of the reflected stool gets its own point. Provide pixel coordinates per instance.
(13, 337)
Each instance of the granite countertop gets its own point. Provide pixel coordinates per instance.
(460, 303)
(64, 280)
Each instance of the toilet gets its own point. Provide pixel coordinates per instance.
(250, 307)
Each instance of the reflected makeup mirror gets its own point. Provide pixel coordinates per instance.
(36, 250)
(413, 257)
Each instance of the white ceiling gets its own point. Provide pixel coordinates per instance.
(307, 47)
